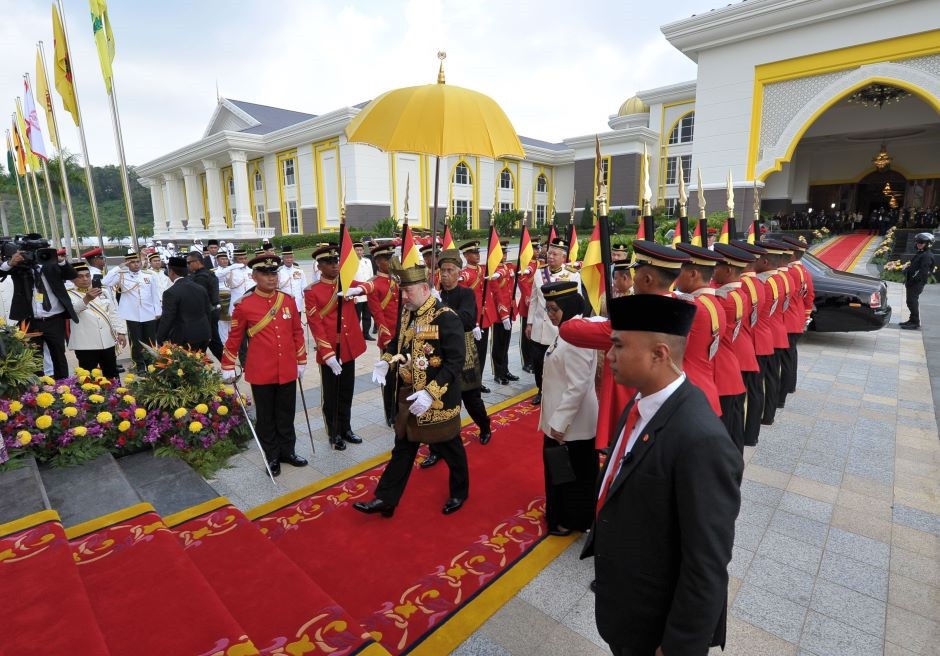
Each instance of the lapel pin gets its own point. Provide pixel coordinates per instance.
(646, 438)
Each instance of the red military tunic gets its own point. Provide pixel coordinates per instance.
(774, 290)
(526, 280)
(321, 303)
(763, 335)
(738, 308)
(502, 290)
(807, 290)
(793, 317)
(702, 347)
(382, 299)
(277, 344)
(471, 276)
(612, 398)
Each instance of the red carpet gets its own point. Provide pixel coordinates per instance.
(46, 610)
(402, 578)
(147, 595)
(843, 251)
(278, 605)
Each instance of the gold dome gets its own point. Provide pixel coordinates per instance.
(633, 106)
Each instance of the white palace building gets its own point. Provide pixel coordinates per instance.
(796, 98)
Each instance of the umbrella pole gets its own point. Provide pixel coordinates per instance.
(437, 182)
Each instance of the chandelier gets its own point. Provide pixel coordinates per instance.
(882, 160)
(887, 190)
(878, 95)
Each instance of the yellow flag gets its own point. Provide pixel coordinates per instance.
(62, 66)
(31, 159)
(44, 98)
(104, 38)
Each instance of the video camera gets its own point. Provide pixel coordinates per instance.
(33, 248)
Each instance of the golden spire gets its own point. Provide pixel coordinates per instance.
(440, 73)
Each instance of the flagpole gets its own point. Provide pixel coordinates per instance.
(602, 218)
(89, 182)
(29, 193)
(683, 202)
(54, 128)
(649, 226)
(54, 228)
(32, 172)
(16, 175)
(125, 181)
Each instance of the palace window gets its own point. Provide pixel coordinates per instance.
(261, 217)
(505, 179)
(605, 171)
(684, 129)
(671, 178)
(462, 174)
(231, 186)
(541, 211)
(672, 204)
(541, 184)
(259, 183)
(462, 208)
(289, 180)
(293, 221)
(505, 207)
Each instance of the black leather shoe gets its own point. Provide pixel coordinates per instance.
(295, 460)
(528, 369)
(501, 381)
(485, 436)
(911, 326)
(484, 389)
(375, 506)
(352, 438)
(511, 376)
(389, 421)
(537, 399)
(369, 338)
(452, 505)
(338, 443)
(430, 461)
(593, 586)
(559, 532)
(275, 467)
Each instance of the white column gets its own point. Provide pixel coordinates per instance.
(193, 201)
(244, 227)
(214, 191)
(159, 211)
(176, 205)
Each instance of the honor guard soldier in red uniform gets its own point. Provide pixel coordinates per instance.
(526, 279)
(739, 312)
(382, 296)
(713, 369)
(472, 277)
(803, 283)
(766, 268)
(337, 370)
(762, 338)
(277, 357)
(502, 285)
(780, 253)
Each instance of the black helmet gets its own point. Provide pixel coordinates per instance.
(924, 238)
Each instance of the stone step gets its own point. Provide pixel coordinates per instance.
(168, 484)
(95, 488)
(22, 492)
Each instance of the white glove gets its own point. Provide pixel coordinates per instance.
(495, 276)
(379, 372)
(507, 324)
(422, 403)
(597, 318)
(335, 365)
(301, 368)
(436, 294)
(228, 375)
(477, 333)
(352, 291)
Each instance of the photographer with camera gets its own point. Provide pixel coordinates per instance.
(40, 301)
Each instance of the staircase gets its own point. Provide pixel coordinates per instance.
(141, 556)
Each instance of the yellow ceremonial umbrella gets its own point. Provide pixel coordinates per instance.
(436, 119)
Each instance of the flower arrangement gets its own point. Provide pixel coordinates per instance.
(883, 252)
(821, 233)
(893, 271)
(177, 378)
(19, 360)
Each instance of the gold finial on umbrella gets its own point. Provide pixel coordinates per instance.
(440, 73)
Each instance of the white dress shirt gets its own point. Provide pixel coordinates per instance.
(141, 297)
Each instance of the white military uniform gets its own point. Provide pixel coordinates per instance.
(141, 296)
(98, 323)
(292, 280)
(543, 331)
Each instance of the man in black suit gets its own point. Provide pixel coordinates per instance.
(200, 275)
(186, 310)
(669, 494)
(41, 300)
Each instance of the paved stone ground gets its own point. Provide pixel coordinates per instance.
(837, 548)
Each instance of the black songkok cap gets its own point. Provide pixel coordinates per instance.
(652, 313)
(560, 289)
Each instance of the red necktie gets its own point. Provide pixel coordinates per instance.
(618, 455)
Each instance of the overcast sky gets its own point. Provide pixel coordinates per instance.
(558, 68)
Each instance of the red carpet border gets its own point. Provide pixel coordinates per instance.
(842, 252)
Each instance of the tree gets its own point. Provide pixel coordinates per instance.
(587, 216)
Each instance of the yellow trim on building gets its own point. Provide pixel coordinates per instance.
(896, 49)
(450, 189)
(225, 174)
(205, 200)
(257, 166)
(281, 158)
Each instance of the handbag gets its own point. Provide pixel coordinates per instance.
(558, 464)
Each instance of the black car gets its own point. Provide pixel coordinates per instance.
(846, 301)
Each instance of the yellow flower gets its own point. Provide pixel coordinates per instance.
(3, 416)
(120, 390)
(229, 390)
(79, 371)
(140, 413)
(63, 389)
(79, 431)
(124, 425)
(179, 372)
(44, 399)
(180, 412)
(222, 410)
(130, 378)
(43, 422)
(24, 438)
(70, 411)
(68, 398)
(103, 417)
(202, 408)
(96, 398)
(128, 399)
(48, 380)
(151, 368)
(15, 406)
(89, 387)
(96, 373)
(195, 427)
